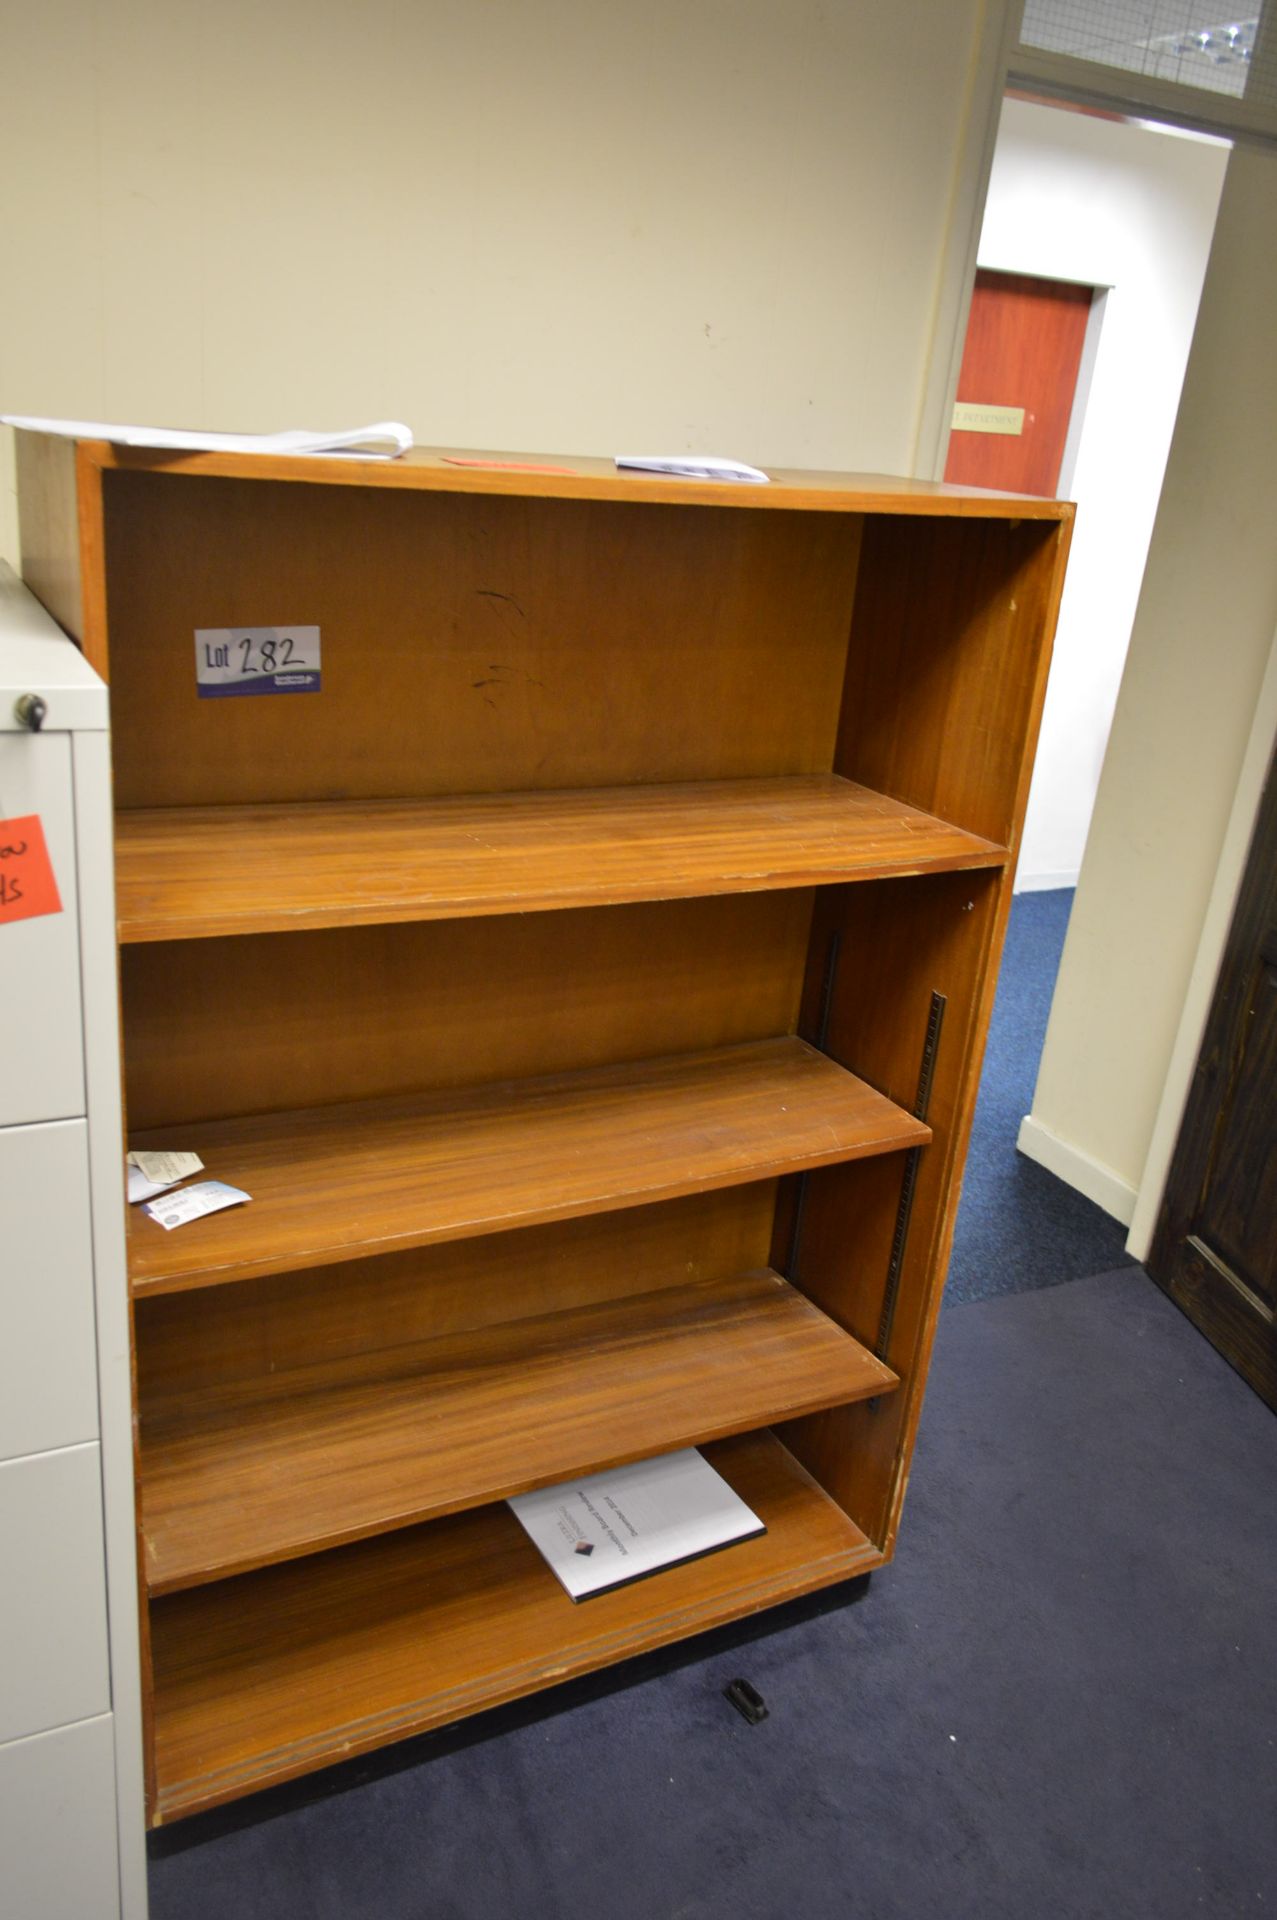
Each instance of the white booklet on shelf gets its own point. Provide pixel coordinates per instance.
(617, 1526)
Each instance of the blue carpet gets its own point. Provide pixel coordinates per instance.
(1018, 1226)
(1060, 1700)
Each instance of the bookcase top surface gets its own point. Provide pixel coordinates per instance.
(588, 477)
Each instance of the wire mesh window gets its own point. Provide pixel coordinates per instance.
(1190, 43)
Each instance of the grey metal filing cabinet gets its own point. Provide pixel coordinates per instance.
(71, 1808)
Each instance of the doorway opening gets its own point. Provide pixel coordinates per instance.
(1091, 259)
(1026, 340)
(1093, 251)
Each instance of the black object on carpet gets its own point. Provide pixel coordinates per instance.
(1018, 1226)
(1060, 1701)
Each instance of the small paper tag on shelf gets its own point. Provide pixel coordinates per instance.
(231, 661)
(27, 886)
(166, 1168)
(151, 1173)
(192, 1203)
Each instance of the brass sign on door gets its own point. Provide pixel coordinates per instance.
(970, 416)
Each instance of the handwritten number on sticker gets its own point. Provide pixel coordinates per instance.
(27, 886)
(272, 661)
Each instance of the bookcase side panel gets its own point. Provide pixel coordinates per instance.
(946, 677)
(900, 943)
(947, 665)
(50, 526)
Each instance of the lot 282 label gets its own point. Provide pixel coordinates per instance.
(231, 661)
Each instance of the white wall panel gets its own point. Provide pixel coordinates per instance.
(1130, 210)
(57, 1826)
(48, 1366)
(1193, 683)
(52, 1592)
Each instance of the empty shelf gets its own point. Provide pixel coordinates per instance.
(335, 1183)
(474, 1417)
(189, 873)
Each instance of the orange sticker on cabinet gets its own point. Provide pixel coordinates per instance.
(27, 885)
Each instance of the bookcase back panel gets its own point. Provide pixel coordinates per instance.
(469, 644)
(260, 1023)
(946, 669)
(350, 1322)
(813, 1249)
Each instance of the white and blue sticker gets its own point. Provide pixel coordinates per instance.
(237, 660)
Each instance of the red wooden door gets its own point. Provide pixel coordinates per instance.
(1023, 351)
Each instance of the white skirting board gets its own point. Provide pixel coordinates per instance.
(1077, 1169)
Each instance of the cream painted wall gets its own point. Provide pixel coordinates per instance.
(1194, 672)
(1130, 209)
(579, 224)
(1230, 870)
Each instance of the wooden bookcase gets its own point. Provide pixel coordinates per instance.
(589, 986)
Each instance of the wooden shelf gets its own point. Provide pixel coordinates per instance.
(334, 1183)
(188, 873)
(282, 1671)
(457, 1422)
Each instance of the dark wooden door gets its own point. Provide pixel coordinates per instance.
(1022, 354)
(1215, 1248)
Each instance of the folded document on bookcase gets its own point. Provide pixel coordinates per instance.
(384, 440)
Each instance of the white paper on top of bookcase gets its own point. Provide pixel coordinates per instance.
(383, 440)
